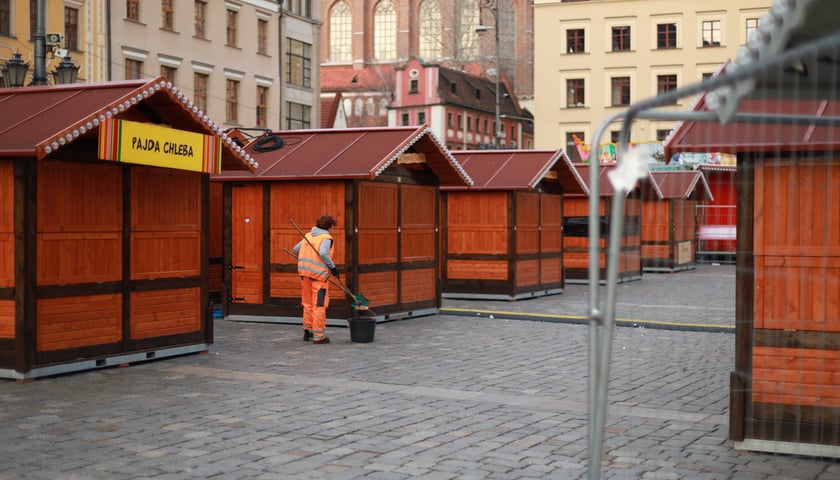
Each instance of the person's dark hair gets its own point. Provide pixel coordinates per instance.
(325, 222)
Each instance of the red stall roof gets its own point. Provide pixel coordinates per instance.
(519, 169)
(37, 121)
(677, 184)
(735, 137)
(605, 188)
(349, 153)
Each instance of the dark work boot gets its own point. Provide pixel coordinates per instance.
(307, 335)
(320, 342)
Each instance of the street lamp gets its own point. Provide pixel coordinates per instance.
(493, 6)
(65, 72)
(14, 72)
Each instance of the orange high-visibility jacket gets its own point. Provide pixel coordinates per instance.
(310, 263)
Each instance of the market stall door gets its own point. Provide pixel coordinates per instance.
(246, 244)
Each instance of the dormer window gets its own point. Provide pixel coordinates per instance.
(478, 93)
(452, 88)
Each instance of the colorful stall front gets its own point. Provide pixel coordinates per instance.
(383, 187)
(785, 390)
(103, 234)
(668, 211)
(716, 218)
(576, 231)
(503, 237)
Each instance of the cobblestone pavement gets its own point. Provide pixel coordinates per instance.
(437, 397)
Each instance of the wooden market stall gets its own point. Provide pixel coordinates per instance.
(668, 211)
(103, 234)
(383, 187)
(503, 237)
(785, 390)
(576, 231)
(716, 218)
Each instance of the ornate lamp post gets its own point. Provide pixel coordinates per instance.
(493, 6)
(66, 72)
(14, 72)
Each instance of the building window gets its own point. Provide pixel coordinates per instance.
(200, 88)
(5, 18)
(621, 39)
(383, 107)
(300, 7)
(232, 102)
(752, 24)
(711, 33)
(615, 136)
(620, 87)
(421, 118)
(340, 32)
(662, 134)
(232, 28)
(460, 125)
(71, 28)
(33, 19)
(430, 29)
(262, 106)
(167, 15)
(707, 75)
(298, 63)
(200, 19)
(469, 124)
(414, 86)
(132, 10)
(486, 126)
(575, 40)
(297, 116)
(404, 119)
(571, 146)
(665, 84)
(666, 35)
(168, 73)
(575, 93)
(262, 36)
(385, 31)
(449, 120)
(370, 109)
(133, 69)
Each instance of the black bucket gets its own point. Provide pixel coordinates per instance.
(362, 329)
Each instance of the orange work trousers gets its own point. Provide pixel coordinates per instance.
(315, 298)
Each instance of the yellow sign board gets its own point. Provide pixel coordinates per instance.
(149, 144)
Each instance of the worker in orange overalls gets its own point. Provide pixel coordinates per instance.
(315, 265)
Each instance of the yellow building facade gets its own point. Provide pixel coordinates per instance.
(594, 58)
(81, 24)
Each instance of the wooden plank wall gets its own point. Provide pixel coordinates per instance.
(79, 241)
(7, 247)
(79, 231)
(796, 355)
(303, 202)
(377, 241)
(246, 283)
(215, 239)
(551, 238)
(477, 224)
(166, 236)
(527, 240)
(418, 243)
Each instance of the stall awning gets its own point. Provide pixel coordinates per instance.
(677, 184)
(40, 121)
(519, 169)
(347, 153)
